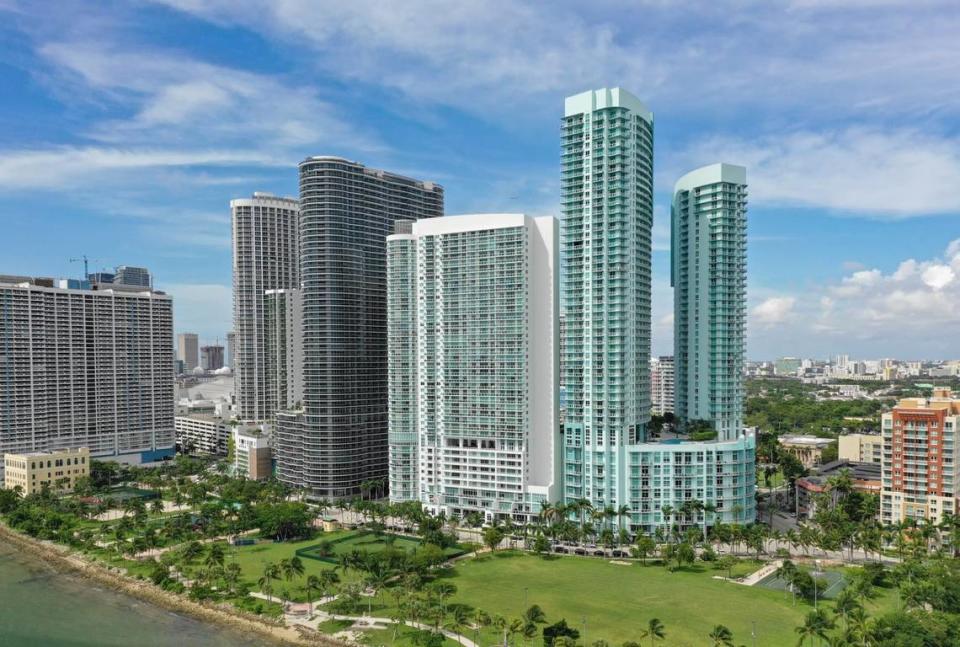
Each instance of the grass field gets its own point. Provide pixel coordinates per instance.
(370, 542)
(252, 559)
(612, 601)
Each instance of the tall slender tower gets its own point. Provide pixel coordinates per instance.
(337, 445)
(265, 257)
(607, 201)
(709, 277)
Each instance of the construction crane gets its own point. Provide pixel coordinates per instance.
(86, 264)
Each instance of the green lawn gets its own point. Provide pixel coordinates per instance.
(344, 542)
(616, 600)
(252, 560)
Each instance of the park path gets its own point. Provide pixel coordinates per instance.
(756, 576)
(367, 621)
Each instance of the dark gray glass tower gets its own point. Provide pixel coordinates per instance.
(336, 446)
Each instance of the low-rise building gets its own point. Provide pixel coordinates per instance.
(864, 475)
(674, 473)
(807, 449)
(252, 454)
(920, 456)
(59, 469)
(861, 448)
(203, 433)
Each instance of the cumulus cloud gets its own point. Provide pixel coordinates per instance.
(888, 173)
(938, 277)
(916, 306)
(170, 111)
(836, 57)
(773, 310)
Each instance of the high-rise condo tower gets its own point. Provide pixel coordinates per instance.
(709, 278)
(336, 446)
(607, 202)
(265, 257)
(473, 363)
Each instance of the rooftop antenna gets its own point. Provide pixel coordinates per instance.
(86, 264)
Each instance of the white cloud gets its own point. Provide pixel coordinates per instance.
(773, 310)
(938, 276)
(169, 110)
(63, 168)
(881, 173)
(823, 57)
(917, 306)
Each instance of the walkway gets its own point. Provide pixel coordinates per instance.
(364, 621)
(761, 574)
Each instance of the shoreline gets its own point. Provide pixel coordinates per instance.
(211, 613)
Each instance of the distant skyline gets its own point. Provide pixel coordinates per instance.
(125, 130)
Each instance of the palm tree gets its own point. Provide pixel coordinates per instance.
(328, 578)
(667, 512)
(859, 624)
(721, 636)
(711, 510)
(311, 586)
(655, 630)
(786, 572)
(623, 512)
(270, 572)
(443, 590)
(582, 506)
(231, 576)
(815, 625)
(481, 619)
(215, 555)
(458, 621)
(845, 603)
(516, 627)
(500, 624)
(531, 618)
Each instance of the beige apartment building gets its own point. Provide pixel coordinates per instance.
(60, 469)
(252, 454)
(920, 456)
(861, 448)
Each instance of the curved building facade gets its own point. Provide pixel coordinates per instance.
(607, 202)
(709, 278)
(336, 446)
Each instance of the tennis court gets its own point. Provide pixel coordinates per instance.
(834, 579)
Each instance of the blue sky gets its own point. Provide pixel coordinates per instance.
(126, 128)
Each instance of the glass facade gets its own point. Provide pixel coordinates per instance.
(607, 202)
(338, 443)
(478, 383)
(709, 277)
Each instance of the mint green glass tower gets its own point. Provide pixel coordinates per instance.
(607, 203)
(709, 277)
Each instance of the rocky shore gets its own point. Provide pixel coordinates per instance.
(273, 631)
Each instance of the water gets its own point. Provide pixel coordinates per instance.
(42, 607)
